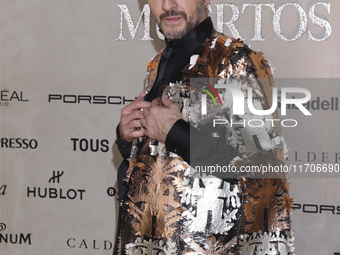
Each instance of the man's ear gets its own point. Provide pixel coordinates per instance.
(207, 2)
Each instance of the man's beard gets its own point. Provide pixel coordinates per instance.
(190, 24)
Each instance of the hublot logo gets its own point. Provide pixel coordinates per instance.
(56, 176)
(55, 193)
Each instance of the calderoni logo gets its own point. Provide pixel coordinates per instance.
(13, 238)
(226, 23)
(312, 156)
(85, 244)
(55, 193)
(8, 96)
(89, 99)
(18, 143)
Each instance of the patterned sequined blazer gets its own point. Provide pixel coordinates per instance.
(169, 208)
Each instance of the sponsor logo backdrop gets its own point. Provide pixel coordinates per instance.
(67, 69)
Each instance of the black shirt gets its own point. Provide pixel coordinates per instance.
(174, 57)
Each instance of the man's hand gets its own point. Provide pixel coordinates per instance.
(159, 119)
(130, 119)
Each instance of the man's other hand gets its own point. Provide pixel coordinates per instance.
(129, 126)
(158, 119)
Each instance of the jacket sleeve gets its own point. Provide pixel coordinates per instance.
(124, 147)
(265, 217)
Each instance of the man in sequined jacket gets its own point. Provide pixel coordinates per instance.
(168, 208)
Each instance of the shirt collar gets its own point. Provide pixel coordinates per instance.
(194, 38)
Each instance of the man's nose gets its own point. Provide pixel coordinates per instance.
(168, 5)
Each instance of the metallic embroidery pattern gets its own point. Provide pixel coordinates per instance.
(212, 205)
(151, 247)
(169, 209)
(180, 96)
(153, 199)
(268, 204)
(213, 246)
(272, 243)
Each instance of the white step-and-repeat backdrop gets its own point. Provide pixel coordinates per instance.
(67, 68)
